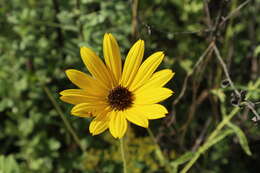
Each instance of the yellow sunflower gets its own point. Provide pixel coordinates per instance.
(112, 95)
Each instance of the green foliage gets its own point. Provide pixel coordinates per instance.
(241, 137)
(40, 39)
(8, 164)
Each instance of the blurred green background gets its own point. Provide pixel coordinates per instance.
(40, 39)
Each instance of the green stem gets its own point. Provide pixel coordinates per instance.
(216, 132)
(123, 154)
(64, 119)
(206, 145)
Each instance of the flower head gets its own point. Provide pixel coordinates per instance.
(112, 95)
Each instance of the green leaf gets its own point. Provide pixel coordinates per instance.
(8, 164)
(257, 51)
(186, 65)
(241, 137)
(54, 144)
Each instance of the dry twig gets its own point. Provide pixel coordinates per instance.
(234, 12)
(248, 104)
(184, 86)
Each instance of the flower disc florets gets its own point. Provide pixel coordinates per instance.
(120, 98)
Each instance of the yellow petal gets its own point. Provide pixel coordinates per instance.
(96, 67)
(86, 82)
(73, 92)
(136, 116)
(157, 80)
(132, 63)
(88, 107)
(117, 124)
(83, 114)
(152, 95)
(146, 70)
(99, 124)
(79, 78)
(152, 111)
(76, 99)
(112, 55)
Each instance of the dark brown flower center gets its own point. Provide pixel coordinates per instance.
(120, 98)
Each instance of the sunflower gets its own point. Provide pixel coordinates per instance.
(114, 96)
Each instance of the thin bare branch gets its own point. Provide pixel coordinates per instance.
(206, 8)
(248, 104)
(134, 18)
(200, 139)
(234, 12)
(184, 86)
(225, 70)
